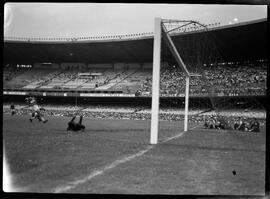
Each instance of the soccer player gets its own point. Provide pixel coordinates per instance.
(36, 110)
(73, 126)
(12, 108)
(40, 116)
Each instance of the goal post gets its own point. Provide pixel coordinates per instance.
(186, 104)
(156, 82)
(184, 53)
(159, 31)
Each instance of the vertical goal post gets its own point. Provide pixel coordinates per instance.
(159, 31)
(155, 82)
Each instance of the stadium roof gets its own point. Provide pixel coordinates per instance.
(242, 41)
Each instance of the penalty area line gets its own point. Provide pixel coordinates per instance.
(74, 184)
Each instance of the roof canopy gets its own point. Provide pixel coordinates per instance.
(246, 41)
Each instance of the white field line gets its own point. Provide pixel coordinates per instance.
(176, 136)
(95, 173)
(114, 164)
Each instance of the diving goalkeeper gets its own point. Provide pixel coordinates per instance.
(73, 126)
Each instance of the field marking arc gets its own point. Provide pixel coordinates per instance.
(73, 184)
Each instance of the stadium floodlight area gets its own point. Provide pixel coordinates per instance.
(164, 30)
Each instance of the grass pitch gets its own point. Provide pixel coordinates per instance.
(115, 157)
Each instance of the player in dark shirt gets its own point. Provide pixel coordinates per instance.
(73, 126)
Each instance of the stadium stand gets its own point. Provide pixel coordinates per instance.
(136, 80)
(28, 78)
(229, 79)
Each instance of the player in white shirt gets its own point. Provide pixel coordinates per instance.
(36, 110)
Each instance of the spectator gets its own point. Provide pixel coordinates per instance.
(242, 125)
(255, 126)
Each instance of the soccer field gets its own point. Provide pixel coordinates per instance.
(115, 157)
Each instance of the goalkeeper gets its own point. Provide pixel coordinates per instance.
(73, 126)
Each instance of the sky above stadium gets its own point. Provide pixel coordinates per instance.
(104, 19)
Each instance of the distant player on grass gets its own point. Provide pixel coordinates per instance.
(73, 126)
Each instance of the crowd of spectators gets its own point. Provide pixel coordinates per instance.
(171, 82)
(232, 123)
(228, 79)
(244, 79)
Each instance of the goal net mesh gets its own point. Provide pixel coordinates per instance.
(198, 51)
